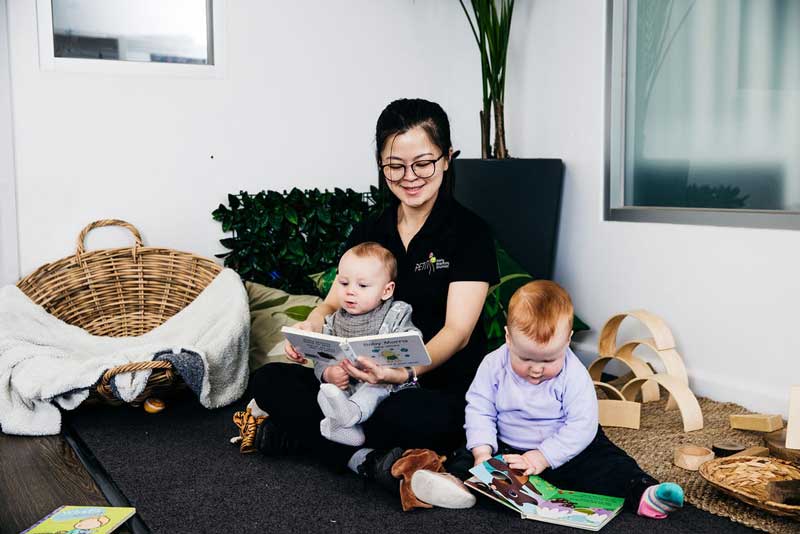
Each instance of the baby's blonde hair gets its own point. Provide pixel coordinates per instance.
(537, 308)
(371, 249)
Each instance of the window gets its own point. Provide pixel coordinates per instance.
(9, 257)
(180, 37)
(703, 112)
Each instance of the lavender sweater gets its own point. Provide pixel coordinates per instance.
(558, 417)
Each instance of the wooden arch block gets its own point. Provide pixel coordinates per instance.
(609, 390)
(662, 335)
(620, 413)
(793, 426)
(638, 367)
(673, 363)
(690, 410)
(617, 411)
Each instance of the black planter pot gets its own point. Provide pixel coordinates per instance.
(520, 199)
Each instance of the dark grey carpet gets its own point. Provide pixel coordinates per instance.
(183, 476)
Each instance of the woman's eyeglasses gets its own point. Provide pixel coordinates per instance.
(424, 168)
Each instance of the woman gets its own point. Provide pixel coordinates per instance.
(446, 263)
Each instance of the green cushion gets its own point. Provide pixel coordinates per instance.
(270, 310)
(512, 277)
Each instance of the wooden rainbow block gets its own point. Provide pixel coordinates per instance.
(793, 426)
(759, 422)
(619, 413)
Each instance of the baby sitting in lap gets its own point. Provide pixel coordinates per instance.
(364, 284)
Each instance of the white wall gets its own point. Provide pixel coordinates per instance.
(9, 261)
(730, 295)
(305, 83)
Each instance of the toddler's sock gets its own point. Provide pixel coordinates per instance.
(347, 435)
(659, 500)
(337, 406)
(357, 459)
(255, 409)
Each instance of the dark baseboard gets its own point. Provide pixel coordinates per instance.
(107, 486)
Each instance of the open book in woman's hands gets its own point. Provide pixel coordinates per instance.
(401, 349)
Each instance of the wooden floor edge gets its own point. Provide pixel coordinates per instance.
(103, 480)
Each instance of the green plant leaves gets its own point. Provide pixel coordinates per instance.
(279, 238)
(495, 310)
(324, 280)
(491, 30)
(291, 215)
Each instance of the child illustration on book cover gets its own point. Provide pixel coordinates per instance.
(88, 520)
(87, 526)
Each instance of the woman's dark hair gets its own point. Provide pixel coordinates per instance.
(407, 113)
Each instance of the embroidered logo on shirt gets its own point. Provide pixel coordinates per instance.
(432, 264)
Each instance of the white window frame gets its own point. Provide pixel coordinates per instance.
(48, 61)
(614, 152)
(9, 251)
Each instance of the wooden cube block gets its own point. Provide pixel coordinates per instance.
(759, 422)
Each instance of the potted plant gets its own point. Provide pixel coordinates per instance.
(491, 28)
(483, 184)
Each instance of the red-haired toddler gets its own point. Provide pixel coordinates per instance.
(533, 402)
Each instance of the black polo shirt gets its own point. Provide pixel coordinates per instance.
(453, 245)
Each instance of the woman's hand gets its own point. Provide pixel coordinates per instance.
(337, 376)
(291, 352)
(532, 462)
(370, 372)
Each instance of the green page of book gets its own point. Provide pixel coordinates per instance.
(580, 500)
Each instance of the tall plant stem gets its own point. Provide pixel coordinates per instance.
(500, 151)
(485, 125)
(491, 28)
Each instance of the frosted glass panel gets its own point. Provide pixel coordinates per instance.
(164, 31)
(712, 104)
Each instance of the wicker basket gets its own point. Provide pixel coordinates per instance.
(121, 292)
(746, 478)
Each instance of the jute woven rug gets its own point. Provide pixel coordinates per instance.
(661, 431)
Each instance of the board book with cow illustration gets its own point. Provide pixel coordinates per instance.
(400, 349)
(535, 498)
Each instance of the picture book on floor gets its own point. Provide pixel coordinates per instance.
(82, 520)
(401, 349)
(535, 498)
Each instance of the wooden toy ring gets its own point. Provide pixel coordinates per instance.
(690, 410)
(662, 335)
(154, 405)
(691, 457)
(726, 448)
